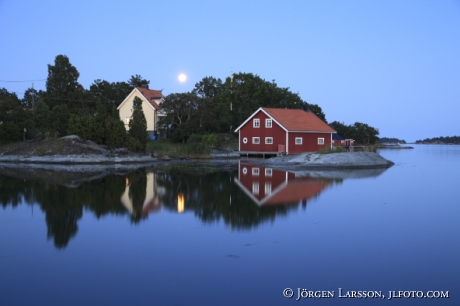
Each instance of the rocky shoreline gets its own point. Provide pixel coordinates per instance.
(346, 160)
(72, 150)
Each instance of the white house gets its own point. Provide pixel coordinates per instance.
(151, 100)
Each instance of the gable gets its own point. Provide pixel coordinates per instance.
(150, 97)
(255, 113)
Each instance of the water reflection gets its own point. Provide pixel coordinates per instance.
(243, 197)
(267, 186)
(134, 193)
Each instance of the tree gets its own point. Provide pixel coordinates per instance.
(109, 93)
(31, 97)
(115, 132)
(231, 102)
(42, 115)
(317, 111)
(360, 132)
(181, 112)
(342, 129)
(13, 118)
(138, 126)
(247, 92)
(59, 120)
(87, 127)
(62, 85)
(137, 81)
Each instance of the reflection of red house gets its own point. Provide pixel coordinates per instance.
(273, 130)
(267, 186)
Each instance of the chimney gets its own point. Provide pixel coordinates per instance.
(305, 106)
(146, 86)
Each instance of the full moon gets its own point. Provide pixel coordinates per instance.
(182, 77)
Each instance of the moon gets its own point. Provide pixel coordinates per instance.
(182, 77)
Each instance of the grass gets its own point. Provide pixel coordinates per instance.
(174, 150)
(330, 150)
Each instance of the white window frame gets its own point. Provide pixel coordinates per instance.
(268, 140)
(255, 188)
(128, 120)
(255, 171)
(298, 140)
(268, 123)
(268, 188)
(255, 140)
(256, 123)
(268, 172)
(320, 141)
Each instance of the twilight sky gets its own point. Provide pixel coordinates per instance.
(394, 65)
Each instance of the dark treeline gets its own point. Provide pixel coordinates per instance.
(362, 133)
(213, 106)
(447, 139)
(65, 107)
(216, 106)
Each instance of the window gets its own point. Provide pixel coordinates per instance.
(255, 188)
(320, 141)
(256, 123)
(255, 140)
(245, 140)
(268, 123)
(268, 172)
(128, 120)
(298, 140)
(255, 171)
(268, 140)
(268, 188)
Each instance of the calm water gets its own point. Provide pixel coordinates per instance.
(240, 235)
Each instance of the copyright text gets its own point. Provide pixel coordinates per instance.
(302, 293)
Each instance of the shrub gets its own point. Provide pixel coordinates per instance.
(115, 132)
(194, 138)
(194, 149)
(134, 144)
(329, 150)
(211, 140)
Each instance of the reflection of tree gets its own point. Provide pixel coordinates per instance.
(213, 196)
(12, 191)
(62, 225)
(137, 192)
(63, 206)
(210, 193)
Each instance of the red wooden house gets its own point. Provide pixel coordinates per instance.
(267, 186)
(274, 130)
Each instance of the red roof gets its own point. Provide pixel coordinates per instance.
(151, 95)
(298, 120)
(296, 191)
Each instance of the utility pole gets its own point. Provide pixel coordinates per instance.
(231, 97)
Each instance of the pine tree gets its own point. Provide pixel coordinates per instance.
(138, 126)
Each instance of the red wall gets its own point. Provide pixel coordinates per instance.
(278, 134)
(339, 143)
(309, 142)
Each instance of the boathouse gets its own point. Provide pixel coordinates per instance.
(289, 131)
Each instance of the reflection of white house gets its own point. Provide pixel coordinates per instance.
(151, 100)
(151, 201)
